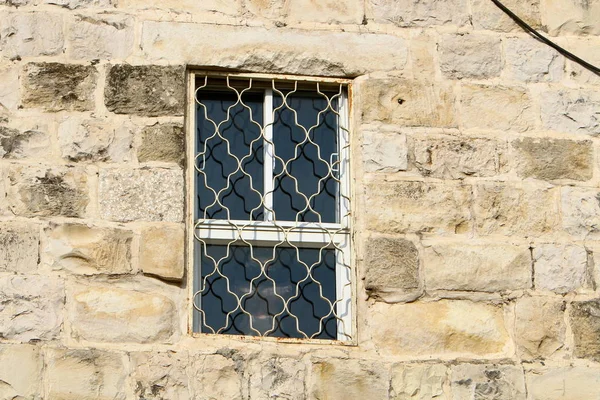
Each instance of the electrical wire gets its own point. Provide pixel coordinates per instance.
(546, 41)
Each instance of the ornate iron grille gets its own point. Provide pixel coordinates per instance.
(271, 208)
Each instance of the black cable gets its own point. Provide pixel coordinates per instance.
(543, 39)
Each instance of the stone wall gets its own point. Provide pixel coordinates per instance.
(477, 201)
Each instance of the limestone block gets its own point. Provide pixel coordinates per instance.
(86, 250)
(488, 381)
(95, 140)
(423, 49)
(10, 88)
(146, 90)
(226, 7)
(472, 56)
(102, 37)
(414, 381)
(77, 4)
(215, 376)
(571, 111)
(30, 34)
(444, 156)
(568, 383)
(486, 15)
(411, 206)
(580, 211)
(31, 308)
(560, 268)
(342, 379)
(86, 374)
(525, 210)
(551, 159)
(391, 268)
(585, 324)
(58, 87)
(17, 144)
(162, 249)
(384, 149)
(277, 378)
(326, 11)
(528, 60)
(406, 13)
(19, 247)
(114, 314)
(270, 9)
(21, 369)
(141, 194)
(489, 267)
(273, 50)
(160, 375)
(584, 47)
(406, 102)
(572, 17)
(539, 326)
(447, 327)
(43, 192)
(496, 107)
(162, 142)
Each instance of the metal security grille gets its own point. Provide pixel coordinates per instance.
(271, 207)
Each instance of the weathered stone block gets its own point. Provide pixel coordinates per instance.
(580, 211)
(162, 142)
(10, 89)
(160, 375)
(141, 194)
(455, 327)
(277, 378)
(496, 107)
(384, 149)
(58, 87)
(114, 314)
(147, 90)
(326, 11)
(571, 111)
(88, 250)
(76, 4)
(209, 7)
(405, 13)
(528, 60)
(16, 144)
(161, 251)
(21, 370)
(471, 56)
(414, 381)
(443, 156)
(43, 192)
(486, 15)
(391, 269)
(572, 17)
(488, 381)
(411, 206)
(31, 308)
(489, 267)
(206, 370)
(86, 374)
(102, 37)
(30, 34)
(564, 383)
(539, 326)
(551, 159)
(19, 247)
(585, 324)
(584, 47)
(560, 268)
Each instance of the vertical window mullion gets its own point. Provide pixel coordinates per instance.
(268, 155)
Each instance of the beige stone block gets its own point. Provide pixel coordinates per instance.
(87, 250)
(10, 89)
(472, 56)
(271, 9)
(489, 267)
(412, 206)
(384, 148)
(86, 374)
(580, 211)
(414, 381)
(571, 111)
(272, 50)
(528, 60)
(19, 247)
(567, 383)
(585, 324)
(277, 378)
(215, 376)
(162, 142)
(101, 37)
(441, 328)
(77, 4)
(513, 209)
(21, 370)
(162, 250)
(406, 13)
(35, 34)
(406, 102)
(423, 48)
(31, 308)
(560, 268)
(539, 326)
(550, 159)
(486, 15)
(571, 17)
(24, 144)
(488, 381)
(584, 47)
(227, 7)
(115, 314)
(450, 157)
(161, 375)
(326, 11)
(141, 194)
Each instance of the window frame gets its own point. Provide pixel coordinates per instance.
(260, 233)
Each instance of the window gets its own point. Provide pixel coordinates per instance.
(270, 207)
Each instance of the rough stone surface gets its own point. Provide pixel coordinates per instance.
(391, 268)
(10, 90)
(277, 378)
(488, 381)
(160, 375)
(571, 111)
(560, 268)
(406, 13)
(107, 37)
(16, 144)
(58, 87)
(30, 34)
(19, 247)
(162, 142)
(413, 381)
(585, 323)
(20, 372)
(471, 56)
(31, 308)
(141, 194)
(145, 90)
(486, 15)
(216, 376)
(191, 7)
(580, 211)
(76, 4)
(86, 250)
(551, 159)
(162, 251)
(570, 383)
(539, 326)
(384, 149)
(528, 60)
(584, 46)
(325, 11)
(489, 267)
(572, 17)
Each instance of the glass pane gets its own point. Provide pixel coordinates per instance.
(229, 133)
(305, 149)
(234, 281)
